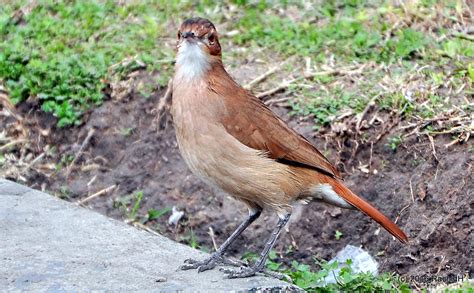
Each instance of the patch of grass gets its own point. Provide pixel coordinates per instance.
(64, 192)
(398, 43)
(325, 107)
(129, 205)
(62, 51)
(347, 279)
(347, 31)
(191, 239)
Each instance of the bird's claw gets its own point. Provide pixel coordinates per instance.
(241, 272)
(208, 263)
(244, 272)
(190, 261)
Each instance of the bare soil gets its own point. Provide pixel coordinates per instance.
(430, 197)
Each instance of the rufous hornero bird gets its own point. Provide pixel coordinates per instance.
(232, 141)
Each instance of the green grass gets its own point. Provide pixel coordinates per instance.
(63, 53)
(348, 34)
(394, 142)
(347, 280)
(156, 214)
(367, 33)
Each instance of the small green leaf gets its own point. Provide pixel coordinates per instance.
(155, 214)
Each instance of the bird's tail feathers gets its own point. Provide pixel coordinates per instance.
(368, 209)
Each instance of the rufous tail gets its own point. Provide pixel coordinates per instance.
(369, 210)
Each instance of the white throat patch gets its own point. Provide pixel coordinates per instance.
(192, 61)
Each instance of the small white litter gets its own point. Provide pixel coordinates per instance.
(176, 215)
(362, 261)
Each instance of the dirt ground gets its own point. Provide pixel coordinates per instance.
(430, 195)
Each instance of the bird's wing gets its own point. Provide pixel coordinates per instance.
(255, 125)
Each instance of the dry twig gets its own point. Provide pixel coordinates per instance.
(433, 149)
(401, 211)
(366, 109)
(33, 162)
(163, 106)
(81, 150)
(411, 192)
(213, 238)
(98, 193)
(12, 143)
(286, 84)
(144, 227)
(260, 78)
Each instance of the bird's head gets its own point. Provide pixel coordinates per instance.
(197, 48)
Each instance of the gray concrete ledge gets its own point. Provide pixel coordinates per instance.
(47, 244)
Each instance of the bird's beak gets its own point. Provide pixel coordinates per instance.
(187, 35)
(190, 37)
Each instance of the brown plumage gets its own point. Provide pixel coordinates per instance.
(231, 140)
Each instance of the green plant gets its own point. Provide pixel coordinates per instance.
(409, 41)
(156, 214)
(126, 131)
(394, 142)
(64, 192)
(347, 279)
(338, 234)
(191, 239)
(136, 206)
(62, 52)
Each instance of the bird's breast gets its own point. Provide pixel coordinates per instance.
(220, 159)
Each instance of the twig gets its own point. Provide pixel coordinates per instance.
(36, 160)
(278, 88)
(81, 150)
(99, 193)
(401, 211)
(12, 143)
(387, 129)
(213, 237)
(371, 155)
(144, 227)
(7, 104)
(411, 192)
(286, 84)
(275, 101)
(451, 143)
(367, 108)
(433, 149)
(163, 105)
(462, 35)
(260, 78)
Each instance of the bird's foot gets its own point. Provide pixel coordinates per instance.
(245, 272)
(209, 263)
(241, 272)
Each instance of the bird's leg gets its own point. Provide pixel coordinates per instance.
(259, 266)
(218, 256)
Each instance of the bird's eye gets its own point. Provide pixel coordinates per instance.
(179, 35)
(211, 38)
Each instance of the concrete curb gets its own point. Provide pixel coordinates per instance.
(48, 244)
